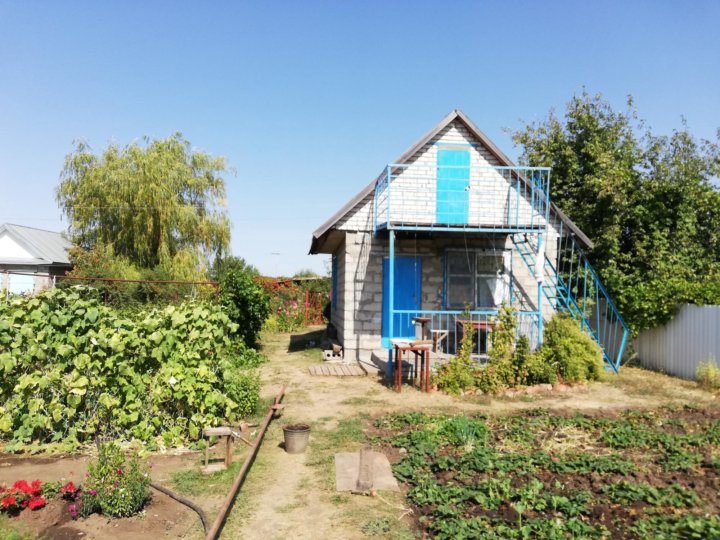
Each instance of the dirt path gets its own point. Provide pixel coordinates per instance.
(293, 496)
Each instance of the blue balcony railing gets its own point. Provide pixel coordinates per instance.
(446, 328)
(420, 196)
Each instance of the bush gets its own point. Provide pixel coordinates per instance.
(246, 301)
(72, 368)
(115, 486)
(567, 354)
(708, 375)
(575, 355)
(458, 374)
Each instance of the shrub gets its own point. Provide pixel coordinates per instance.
(71, 368)
(458, 374)
(708, 375)
(245, 301)
(574, 354)
(116, 486)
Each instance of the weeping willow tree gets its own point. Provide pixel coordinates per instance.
(155, 205)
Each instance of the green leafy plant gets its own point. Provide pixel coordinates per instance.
(245, 300)
(574, 354)
(458, 374)
(708, 375)
(72, 368)
(118, 487)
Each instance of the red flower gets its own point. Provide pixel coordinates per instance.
(120, 472)
(36, 502)
(69, 488)
(36, 488)
(8, 501)
(23, 486)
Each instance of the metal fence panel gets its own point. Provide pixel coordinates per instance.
(677, 348)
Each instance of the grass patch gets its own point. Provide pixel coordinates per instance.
(193, 482)
(13, 530)
(362, 400)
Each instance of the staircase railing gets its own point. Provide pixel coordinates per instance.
(571, 284)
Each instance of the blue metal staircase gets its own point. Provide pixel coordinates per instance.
(571, 285)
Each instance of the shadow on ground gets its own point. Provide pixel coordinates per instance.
(304, 341)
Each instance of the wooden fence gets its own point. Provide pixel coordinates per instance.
(677, 348)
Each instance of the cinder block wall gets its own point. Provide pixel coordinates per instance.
(360, 280)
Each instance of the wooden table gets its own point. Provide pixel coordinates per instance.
(423, 321)
(421, 352)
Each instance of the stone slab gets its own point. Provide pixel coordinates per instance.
(347, 468)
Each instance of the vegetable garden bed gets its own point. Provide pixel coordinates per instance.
(546, 475)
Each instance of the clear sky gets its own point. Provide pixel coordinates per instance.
(308, 100)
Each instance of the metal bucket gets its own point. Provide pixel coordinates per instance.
(296, 438)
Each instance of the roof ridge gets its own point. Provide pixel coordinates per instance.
(34, 228)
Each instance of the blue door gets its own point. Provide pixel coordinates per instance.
(453, 181)
(408, 272)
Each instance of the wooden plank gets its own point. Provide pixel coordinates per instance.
(365, 478)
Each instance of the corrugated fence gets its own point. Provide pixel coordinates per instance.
(677, 348)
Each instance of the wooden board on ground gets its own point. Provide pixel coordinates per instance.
(337, 370)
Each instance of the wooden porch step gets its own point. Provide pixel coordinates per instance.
(336, 370)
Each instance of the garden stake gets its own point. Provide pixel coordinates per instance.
(220, 519)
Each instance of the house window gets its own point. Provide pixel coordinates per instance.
(478, 279)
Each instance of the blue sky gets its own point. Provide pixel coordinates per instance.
(308, 100)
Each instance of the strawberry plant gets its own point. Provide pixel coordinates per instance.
(500, 477)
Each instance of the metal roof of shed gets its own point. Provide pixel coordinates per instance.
(47, 247)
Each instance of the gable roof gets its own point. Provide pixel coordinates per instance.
(455, 115)
(46, 247)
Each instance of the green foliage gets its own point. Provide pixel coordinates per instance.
(574, 354)
(458, 374)
(73, 368)
(101, 262)
(245, 300)
(151, 203)
(121, 487)
(708, 375)
(650, 204)
(467, 477)
(376, 527)
(567, 354)
(503, 336)
(455, 376)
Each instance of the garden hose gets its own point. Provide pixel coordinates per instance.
(184, 501)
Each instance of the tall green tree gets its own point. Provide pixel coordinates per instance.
(651, 204)
(152, 203)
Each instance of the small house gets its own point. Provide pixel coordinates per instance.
(444, 236)
(31, 258)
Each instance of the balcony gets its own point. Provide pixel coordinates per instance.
(429, 197)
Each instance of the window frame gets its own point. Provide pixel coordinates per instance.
(504, 253)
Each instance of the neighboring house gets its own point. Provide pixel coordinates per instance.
(453, 226)
(29, 258)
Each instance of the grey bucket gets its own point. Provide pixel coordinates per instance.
(296, 438)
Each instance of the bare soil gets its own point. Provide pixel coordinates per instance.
(293, 496)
